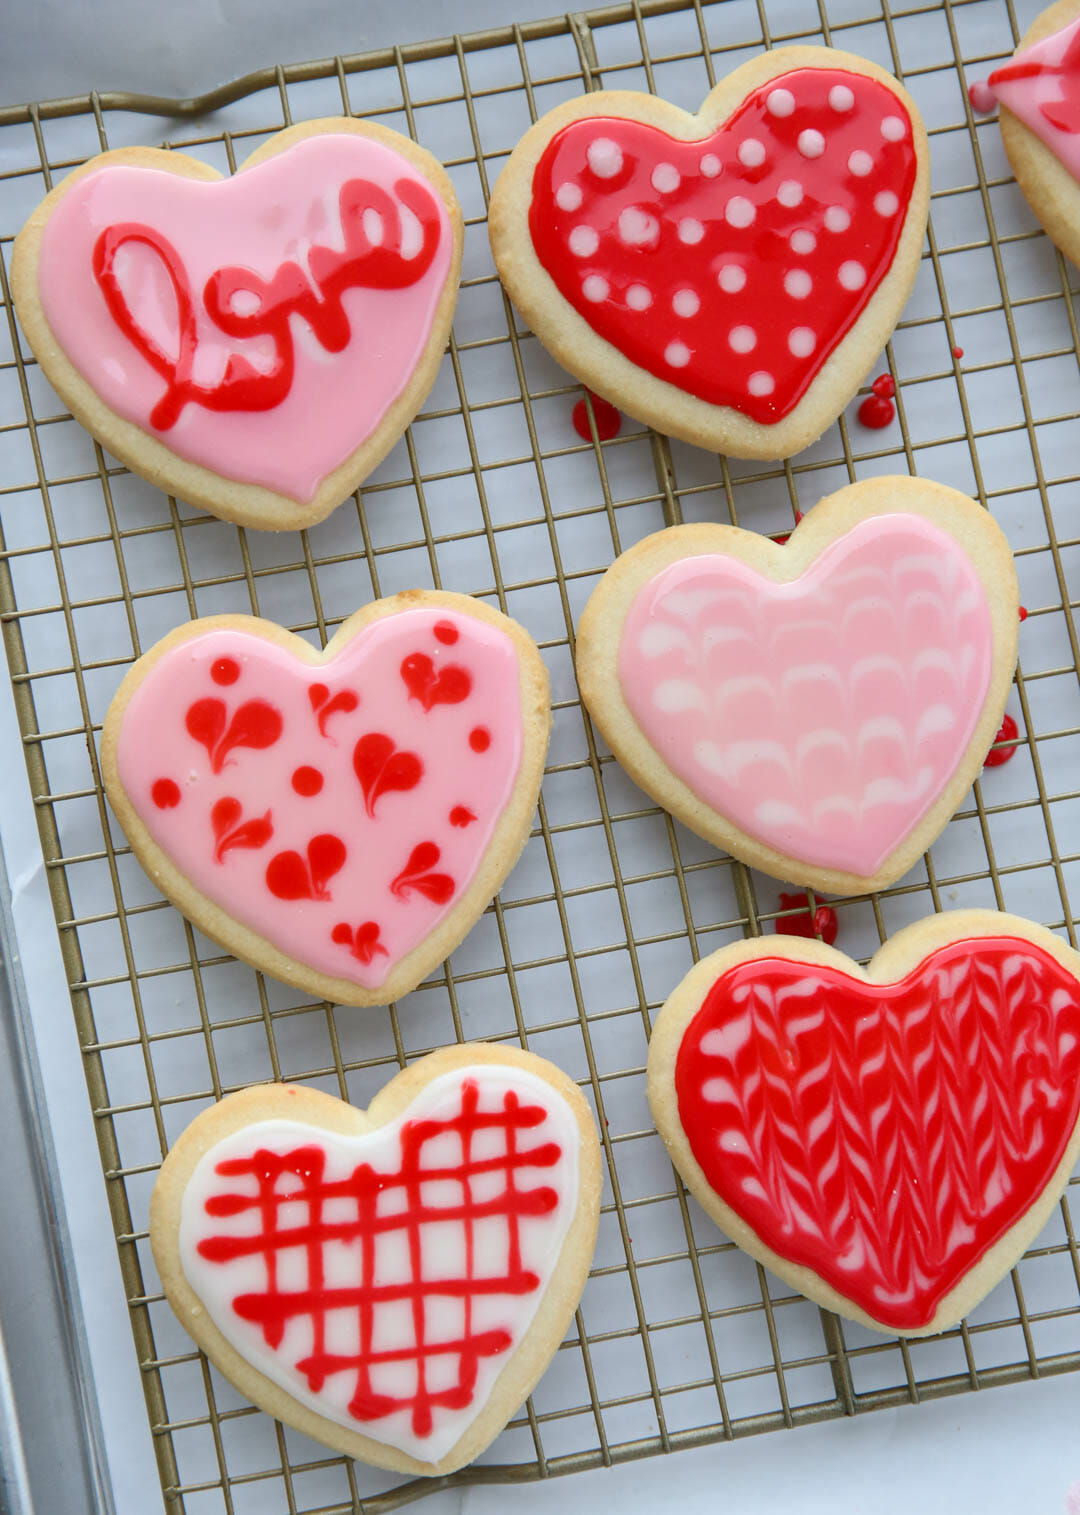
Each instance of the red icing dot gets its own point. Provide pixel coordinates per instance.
(446, 632)
(876, 412)
(461, 816)
(608, 419)
(479, 739)
(958, 352)
(884, 386)
(1023, 612)
(822, 923)
(165, 794)
(998, 755)
(225, 671)
(307, 781)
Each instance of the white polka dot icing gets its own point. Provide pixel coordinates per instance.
(794, 208)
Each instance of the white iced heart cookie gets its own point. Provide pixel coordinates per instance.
(817, 709)
(392, 1281)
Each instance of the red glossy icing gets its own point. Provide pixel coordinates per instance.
(479, 739)
(461, 816)
(291, 877)
(1007, 732)
(884, 386)
(449, 686)
(165, 794)
(446, 632)
(673, 251)
(289, 1211)
(885, 1136)
(254, 724)
(878, 411)
(225, 671)
(325, 705)
(608, 419)
(242, 304)
(958, 352)
(232, 830)
(363, 943)
(307, 781)
(1064, 113)
(1023, 612)
(417, 875)
(822, 923)
(382, 767)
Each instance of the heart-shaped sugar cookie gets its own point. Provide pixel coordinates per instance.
(818, 708)
(727, 277)
(888, 1140)
(392, 1282)
(255, 344)
(339, 819)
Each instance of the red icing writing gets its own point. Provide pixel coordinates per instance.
(254, 724)
(381, 766)
(449, 686)
(1007, 735)
(297, 1211)
(326, 705)
(243, 305)
(731, 266)
(231, 830)
(165, 794)
(885, 1136)
(363, 943)
(822, 923)
(417, 875)
(290, 877)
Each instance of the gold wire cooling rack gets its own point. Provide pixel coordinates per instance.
(680, 1339)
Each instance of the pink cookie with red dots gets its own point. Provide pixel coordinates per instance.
(728, 277)
(337, 818)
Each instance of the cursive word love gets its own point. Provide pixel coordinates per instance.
(241, 304)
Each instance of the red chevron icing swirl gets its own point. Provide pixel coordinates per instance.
(885, 1136)
(731, 266)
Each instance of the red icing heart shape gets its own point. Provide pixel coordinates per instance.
(734, 265)
(381, 767)
(885, 1136)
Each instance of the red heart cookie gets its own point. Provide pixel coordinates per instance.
(394, 1281)
(890, 1141)
(706, 271)
(339, 819)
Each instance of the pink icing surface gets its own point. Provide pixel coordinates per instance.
(412, 814)
(822, 716)
(280, 210)
(1040, 86)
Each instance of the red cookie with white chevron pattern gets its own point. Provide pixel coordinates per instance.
(730, 276)
(888, 1140)
(337, 818)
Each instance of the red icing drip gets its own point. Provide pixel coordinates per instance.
(822, 923)
(876, 412)
(479, 739)
(446, 632)
(884, 386)
(1023, 613)
(165, 794)
(1007, 732)
(786, 536)
(363, 943)
(608, 419)
(225, 671)
(416, 874)
(290, 877)
(449, 686)
(307, 781)
(381, 767)
(958, 352)
(254, 724)
(270, 304)
(460, 816)
(982, 97)
(230, 830)
(885, 1136)
(673, 251)
(296, 1182)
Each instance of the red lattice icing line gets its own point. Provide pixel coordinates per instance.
(731, 266)
(885, 1136)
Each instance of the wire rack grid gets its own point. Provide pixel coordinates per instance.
(680, 1339)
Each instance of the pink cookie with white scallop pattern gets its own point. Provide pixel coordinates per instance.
(729, 277)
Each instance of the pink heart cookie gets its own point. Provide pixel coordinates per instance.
(818, 709)
(339, 819)
(254, 344)
(391, 1281)
(728, 277)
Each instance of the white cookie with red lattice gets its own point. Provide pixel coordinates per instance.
(393, 1281)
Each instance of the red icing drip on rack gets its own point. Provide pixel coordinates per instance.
(1007, 732)
(608, 419)
(296, 1181)
(885, 1135)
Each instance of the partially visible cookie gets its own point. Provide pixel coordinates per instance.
(393, 1281)
(338, 818)
(728, 277)
(817, 709)
(888, 1140)
(1039, 95)
(256, 344)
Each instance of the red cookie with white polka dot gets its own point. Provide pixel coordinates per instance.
(339, 818)
(729, 277)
